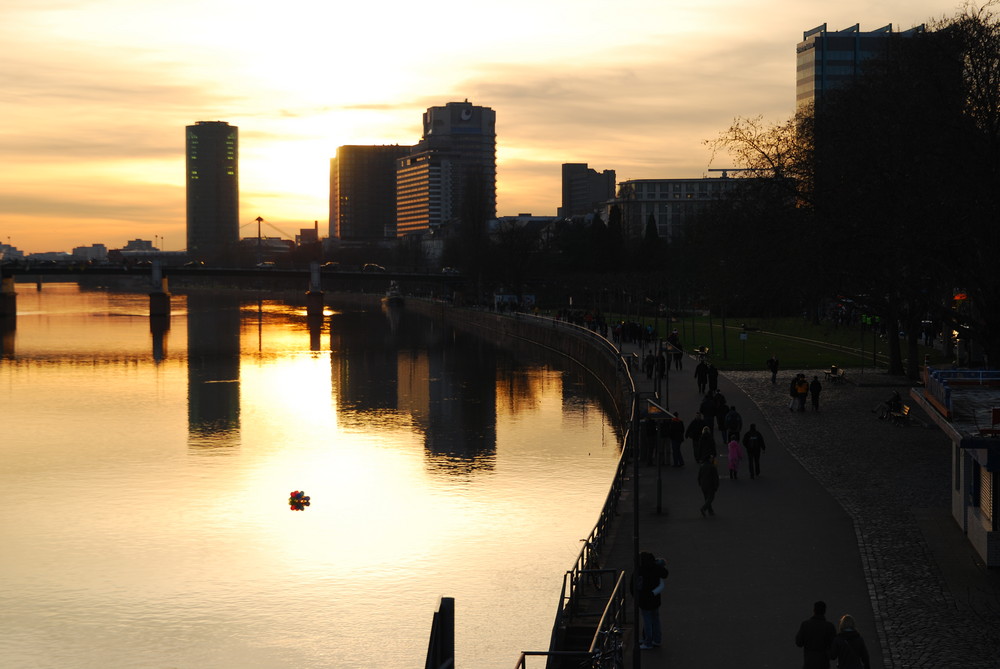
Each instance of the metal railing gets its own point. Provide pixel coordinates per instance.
(938, 382)
(587, 576)
(605, 649)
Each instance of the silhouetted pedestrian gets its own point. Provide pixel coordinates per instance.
(753, 441)
(734, 423)
(801, 391)
(706, 445)
(708, 481)
(721, 409)
(676, 349)
(675, 433)
(651, 580)
(848, 647)
(707, 408)
(815, 636)
(701, 374)
(772, 364)
(713, 378)
(814, 390)
(693, 432)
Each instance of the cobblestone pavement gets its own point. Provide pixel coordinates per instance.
(935, 604)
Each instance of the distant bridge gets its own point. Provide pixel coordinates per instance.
(278, 276)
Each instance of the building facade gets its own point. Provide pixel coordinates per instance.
(673, 203)
(363, 192)
(450, 175)
(828, 59)
(964, 404)
(584, 190)
(213, 191)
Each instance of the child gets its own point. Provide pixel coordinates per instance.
(735, 456)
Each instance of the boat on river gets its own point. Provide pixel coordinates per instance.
(393, 297)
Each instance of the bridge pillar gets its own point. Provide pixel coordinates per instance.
(8, 301)
(159, 301)
(314, 304)
(158, 327)
(314, 296)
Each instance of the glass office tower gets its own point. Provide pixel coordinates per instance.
(213, 190)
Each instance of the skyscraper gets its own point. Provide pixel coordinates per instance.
(213, 190)
(451, 174)
(584, 189)
(825, 60)
(363, 192)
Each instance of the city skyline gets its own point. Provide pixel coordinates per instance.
(97, 96)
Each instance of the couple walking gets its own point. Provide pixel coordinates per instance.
(821, 642)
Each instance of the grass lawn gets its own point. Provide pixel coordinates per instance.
(796, 342)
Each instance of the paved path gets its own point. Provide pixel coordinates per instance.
(848, 509)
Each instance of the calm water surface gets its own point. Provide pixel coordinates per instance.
(145, 476)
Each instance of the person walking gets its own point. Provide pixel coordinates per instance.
(815, 637)
(753, 442)
(708, 481)
(676, 349)
(713, 378)
(814, 390)
(848, 647)
(772, 364)
(720, 411)
(693, 432)
(650, 582)
(678, 355)
(675, 433)
(801, 391)
(706, 445)
(707, 409)
(735, 455)
(701, 375)
(734, 423)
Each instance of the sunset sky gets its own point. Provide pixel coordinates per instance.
(95, 95)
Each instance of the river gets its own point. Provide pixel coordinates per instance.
(146, 475)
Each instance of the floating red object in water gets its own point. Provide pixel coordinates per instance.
(298, 500)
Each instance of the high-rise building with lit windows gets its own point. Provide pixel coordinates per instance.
(451, 174)
(213, 189)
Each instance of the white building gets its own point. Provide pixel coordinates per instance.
(95, 252)
(965, 403)
(673, 203)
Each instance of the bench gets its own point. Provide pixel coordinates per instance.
(900, 417)
(835, 374)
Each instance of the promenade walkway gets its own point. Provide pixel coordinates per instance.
(848, 509)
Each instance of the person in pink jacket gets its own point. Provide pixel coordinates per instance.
(735, 457)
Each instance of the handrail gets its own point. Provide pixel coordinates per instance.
(938, 382)
(587, 561)
(613, 615)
